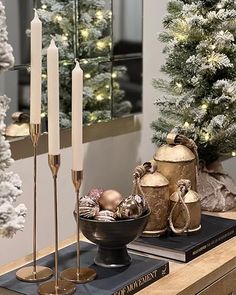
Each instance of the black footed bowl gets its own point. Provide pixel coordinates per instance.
(112, 238)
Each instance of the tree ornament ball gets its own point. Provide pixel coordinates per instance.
(109, 200)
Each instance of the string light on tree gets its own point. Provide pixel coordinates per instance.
(44, 6)
(58, 18)
(207, 136)
(99, 97)
(101, 45)
(99, 15)
(87, 76)
(204, 106)
(64, 37)
(234, 154)
(179, 85)
(114, 75)
(186, 124)
(84, 33)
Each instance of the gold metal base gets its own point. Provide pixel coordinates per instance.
(27, 274)
(85, 275)
(63, 288)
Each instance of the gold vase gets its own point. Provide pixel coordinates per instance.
(185, 206)
(176, 160)
(156, 191)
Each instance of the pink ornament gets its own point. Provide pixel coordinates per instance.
(95, 193)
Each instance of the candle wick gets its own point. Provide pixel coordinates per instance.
(35, 12)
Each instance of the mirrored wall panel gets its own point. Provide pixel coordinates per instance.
(106, 37)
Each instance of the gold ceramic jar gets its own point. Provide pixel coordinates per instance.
(156, 191)
(176, 160)
(185, 214)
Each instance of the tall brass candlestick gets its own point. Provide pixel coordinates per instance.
(57, 286)
(34, 273)
(78, 274)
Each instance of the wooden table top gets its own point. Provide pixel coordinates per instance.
(184, 278)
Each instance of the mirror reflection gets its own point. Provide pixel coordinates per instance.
(106, 36)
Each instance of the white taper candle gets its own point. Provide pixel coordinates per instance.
(77, 118)
(36, 69)
(53, 99)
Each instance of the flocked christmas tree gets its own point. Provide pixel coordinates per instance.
(91, 42)
(11, 218)
(200, 93)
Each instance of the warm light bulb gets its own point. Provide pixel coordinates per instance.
(65, 63)
(59, 18)
(99, 14)
(87, 76)
(64, 37)
(85, 33)
(219, 5)
(110, 14)
(204, 106)
(101, 45)
(186, 124)
(44, 6)
(93, 117)
(114, 75)
(44, 76)
(99, 97)
(43, 115)
(85, 61)
(234, 154)
(107, 86)
(179, 85)
(207, 137)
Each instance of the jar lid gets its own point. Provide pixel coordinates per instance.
(190, 197)
(174, 153)
(153, 180)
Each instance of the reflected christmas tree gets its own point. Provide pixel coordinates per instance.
(90, 41)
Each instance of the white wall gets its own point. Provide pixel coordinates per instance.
(108, 163)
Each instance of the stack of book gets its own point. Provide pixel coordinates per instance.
(214, 231)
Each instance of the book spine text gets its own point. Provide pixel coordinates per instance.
(143, 281)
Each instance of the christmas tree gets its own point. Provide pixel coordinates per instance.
(87, 36)
(11, 218)
(200, 93)
(6, 55)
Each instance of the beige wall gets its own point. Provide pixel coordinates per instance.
(108, 163)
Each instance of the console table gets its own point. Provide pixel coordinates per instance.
(212, 273)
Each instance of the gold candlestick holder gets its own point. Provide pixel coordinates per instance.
(34, 273)
(56, 287)
(78, 275)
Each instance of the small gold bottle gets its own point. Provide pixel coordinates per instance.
(185, 214)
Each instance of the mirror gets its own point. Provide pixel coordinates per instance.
(106, 36)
